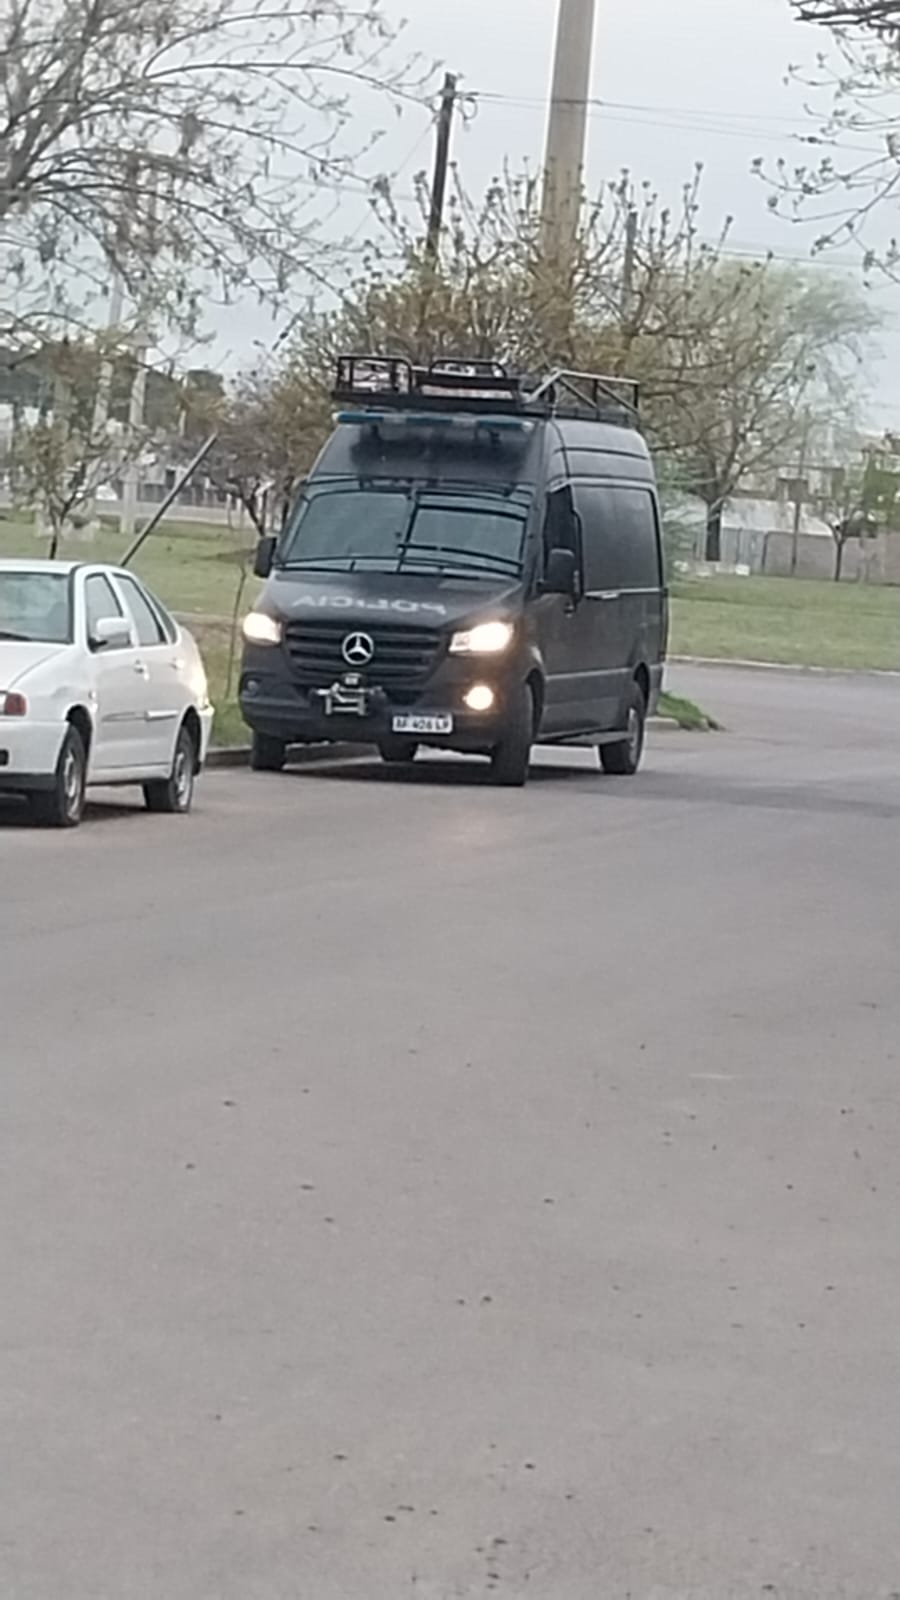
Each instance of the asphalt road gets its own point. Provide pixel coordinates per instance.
(412, 1190)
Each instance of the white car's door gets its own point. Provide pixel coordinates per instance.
(119, 681)
(167, 696)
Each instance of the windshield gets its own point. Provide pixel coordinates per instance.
(402, 530)
(35, 606)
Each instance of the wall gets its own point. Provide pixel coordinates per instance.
(878, 561)
(815, 556)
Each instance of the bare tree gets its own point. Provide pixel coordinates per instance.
(495, 294)
(63, 457)
(183, 146)
(728, 355)
(858, 173)
(882, 16)
(768, 351)
(268, 426)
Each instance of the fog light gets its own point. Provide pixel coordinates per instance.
(479, 697)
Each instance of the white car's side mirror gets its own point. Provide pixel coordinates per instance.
(111, 633)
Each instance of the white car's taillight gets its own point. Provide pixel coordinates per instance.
(13, 705)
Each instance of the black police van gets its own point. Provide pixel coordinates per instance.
(475, 563)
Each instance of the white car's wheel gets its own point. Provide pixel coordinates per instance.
(63, 805)
(175, 794)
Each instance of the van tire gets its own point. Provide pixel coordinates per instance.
(511, 758)
(397, 752)
(63, 805)
(622, 759)
(267, 754)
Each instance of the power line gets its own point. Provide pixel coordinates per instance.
(630, 105)
(688, 122)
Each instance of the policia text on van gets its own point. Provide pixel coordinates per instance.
(474, 563)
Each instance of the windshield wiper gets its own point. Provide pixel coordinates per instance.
(444, 569)
(336, 564)
(474, 560)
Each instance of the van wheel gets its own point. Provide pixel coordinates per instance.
(511, 758)
(174, 795)
(267, 754)
(63, 805)
(622, 759)
(398, 752)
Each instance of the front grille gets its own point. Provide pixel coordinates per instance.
(403, 657)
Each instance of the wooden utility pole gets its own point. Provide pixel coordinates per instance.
(441, 166)
(628, 265)
(567, 125)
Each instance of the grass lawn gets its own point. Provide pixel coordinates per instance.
(191, 566)
(787, 620)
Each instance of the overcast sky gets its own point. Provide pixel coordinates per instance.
(682, 81)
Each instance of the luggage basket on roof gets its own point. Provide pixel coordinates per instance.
(483, 388)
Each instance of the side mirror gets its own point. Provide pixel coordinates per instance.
(561, 573)
(265, 557)
(111, 633)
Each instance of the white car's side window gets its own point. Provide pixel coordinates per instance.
(100, 603)
(147, 624)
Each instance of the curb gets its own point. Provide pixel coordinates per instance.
(228, 757)
(784, 666)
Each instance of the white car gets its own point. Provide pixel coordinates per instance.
(98, 685)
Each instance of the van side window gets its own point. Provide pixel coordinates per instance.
(560, 527)
(621, 542)
(598, 525)
(637, 524)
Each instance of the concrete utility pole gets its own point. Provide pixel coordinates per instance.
(567, 126)
(800, 491)
(132, 470)
(105, 379)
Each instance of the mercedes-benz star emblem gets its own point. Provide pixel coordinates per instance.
(358, 649)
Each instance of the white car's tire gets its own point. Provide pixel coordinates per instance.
(175, 795)
(62, 806)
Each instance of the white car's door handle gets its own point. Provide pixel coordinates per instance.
(140, 669)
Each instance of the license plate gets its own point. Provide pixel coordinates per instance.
(423, 725)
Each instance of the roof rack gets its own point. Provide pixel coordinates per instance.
(484, 388)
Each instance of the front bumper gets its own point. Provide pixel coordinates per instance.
(273, 705)
(29, 752)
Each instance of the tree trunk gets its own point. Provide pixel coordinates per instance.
(839, 561)
(714, 533)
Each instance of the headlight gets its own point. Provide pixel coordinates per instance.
(487, 639)
(262, 629)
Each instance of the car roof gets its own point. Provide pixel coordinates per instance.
(39, 565)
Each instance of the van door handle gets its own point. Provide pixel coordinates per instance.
(610, 594)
